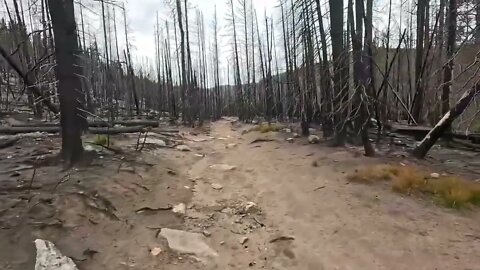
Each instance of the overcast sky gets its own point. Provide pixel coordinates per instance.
(142, 18)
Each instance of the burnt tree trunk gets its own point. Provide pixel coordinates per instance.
(340, 69)
(72, 120)
(444, 124)
(419, 57)
(448, 69)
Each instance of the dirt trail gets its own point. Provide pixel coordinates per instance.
(336, 225)
(264, 205)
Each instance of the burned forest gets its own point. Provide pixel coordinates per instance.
(239, 134)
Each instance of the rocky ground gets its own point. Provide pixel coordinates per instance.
(220, 198)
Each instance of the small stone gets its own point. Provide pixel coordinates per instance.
(249, 206)
(183, 148)
(243, 240)
(15, 174)
(156, 251)
(207, 233)
(313, 139)
(187, 242)
(180, 208)
(434, 175)
(217, 186)
(290, 140)
(231, 145)
(227, 210)
(222, 243)
(296, 135)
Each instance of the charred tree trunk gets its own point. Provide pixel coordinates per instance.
(72, 120)
(448, 69)
(419, 57)
(444, 124)
(340, 68)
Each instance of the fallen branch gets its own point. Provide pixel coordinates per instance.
(8, 142)
(467, 144)
(259, 140)
(149, 209)
(282, 238)
(19, 188)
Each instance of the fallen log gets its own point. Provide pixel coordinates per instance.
(20, 130)
(127, 123)
(116, 130)
(53, 130)
(130, 123)
(8, 142)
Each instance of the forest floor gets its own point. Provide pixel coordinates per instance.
(269, 204)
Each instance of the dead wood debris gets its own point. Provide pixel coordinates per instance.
(99, 203)
(259, 140)
(282, 238)
(149, 209)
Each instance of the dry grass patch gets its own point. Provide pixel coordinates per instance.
(452, 191)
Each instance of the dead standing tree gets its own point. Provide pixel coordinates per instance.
(72, 120)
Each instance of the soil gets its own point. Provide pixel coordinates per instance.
(271, 204)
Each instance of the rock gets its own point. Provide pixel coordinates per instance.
(155, 251)
(290, 140)
(249, 207)
(223, 167)
(187, 242)
(50, 258)
(243, 240)
(296, 135)
(15, 174)
(434, 175)
(156, 142)
(180, 208)
(222, 243)
(231, 145)
(313, 139)
(227, 210)
(207, 233)
(183, 148)
(217, 186)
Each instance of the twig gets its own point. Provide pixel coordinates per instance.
(318, 188)
(259, 222)
(31, 180)
(62, 180)
(144, 140)
(282, 238)
(149, 209)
